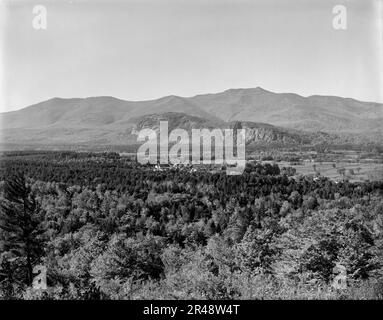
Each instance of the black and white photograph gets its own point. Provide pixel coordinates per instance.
(191, 150)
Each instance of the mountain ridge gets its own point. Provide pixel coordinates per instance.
(105, 117)
(194, 96)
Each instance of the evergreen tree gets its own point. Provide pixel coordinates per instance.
(21, 241)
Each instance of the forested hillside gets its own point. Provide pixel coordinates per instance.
(108, 228)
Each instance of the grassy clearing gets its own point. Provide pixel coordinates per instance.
(353, 171)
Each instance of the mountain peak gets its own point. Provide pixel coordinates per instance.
(171, 98)
(260, 90)
(255, 90)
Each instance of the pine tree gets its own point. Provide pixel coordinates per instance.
(21, 240)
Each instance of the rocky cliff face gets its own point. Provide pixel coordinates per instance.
(255, 132)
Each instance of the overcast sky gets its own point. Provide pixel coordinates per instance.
(147, 49)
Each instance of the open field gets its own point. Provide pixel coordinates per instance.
(353, 171)
(354, 165)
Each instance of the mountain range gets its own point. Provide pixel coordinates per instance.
(267, 117)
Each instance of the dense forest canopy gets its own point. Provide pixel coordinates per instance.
(106, 227)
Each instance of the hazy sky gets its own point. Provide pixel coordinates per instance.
(146, 49)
